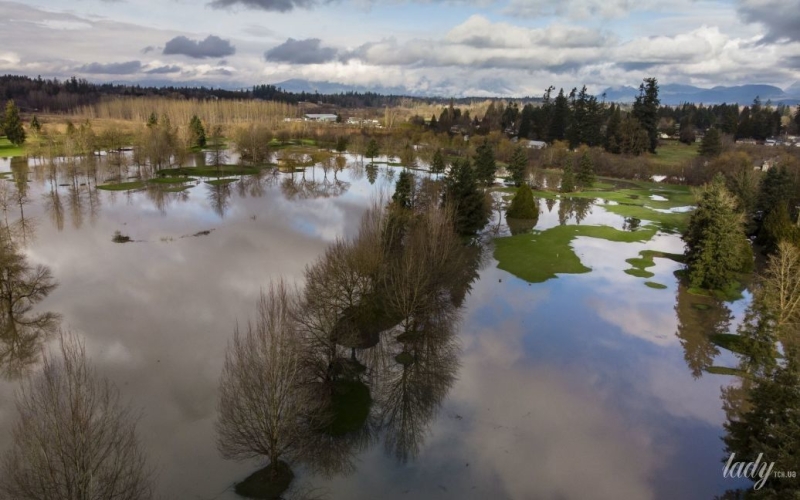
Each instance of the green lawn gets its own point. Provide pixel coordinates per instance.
(8, 150)
(123, 186)
(540, 256)
(672, 153)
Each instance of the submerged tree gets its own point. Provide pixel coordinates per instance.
(404, 195)
(568, 179)
(74, 439)
(716, 247)
(586, 176)
(462, 194)
(372, 150)
(523, 205)
(438, 164)
(263, 398)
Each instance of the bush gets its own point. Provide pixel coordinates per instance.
(523, 206)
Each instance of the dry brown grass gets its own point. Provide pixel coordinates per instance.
(226, 113)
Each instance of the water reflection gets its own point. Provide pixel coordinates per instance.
(699, 317)
(373, 335)
(22, 286)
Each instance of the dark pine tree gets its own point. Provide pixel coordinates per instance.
(485, 165)
(467, 201)
(645, 109)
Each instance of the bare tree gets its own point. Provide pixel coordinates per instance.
(781, 282)
(74, 439)
(262, 389)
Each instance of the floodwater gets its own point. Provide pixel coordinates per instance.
(584, 386)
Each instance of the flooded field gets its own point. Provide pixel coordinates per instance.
(580, 384)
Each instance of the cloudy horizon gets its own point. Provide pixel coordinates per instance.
(447, 47)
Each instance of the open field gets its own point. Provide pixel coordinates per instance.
(8, 150)
(673, 153)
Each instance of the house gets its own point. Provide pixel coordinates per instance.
(311, 117)
(536, 144)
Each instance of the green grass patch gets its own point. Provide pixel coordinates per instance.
(646, 259)
(170, 180)
(222, 171)
(639, 273)
(123, 186)
(8, 150)
(221, 182)
(349, 407)
(672, 153)
(539, 256)
(653, 284)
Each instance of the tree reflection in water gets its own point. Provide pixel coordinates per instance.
(763, 408)
(22, 286)
(375, 327)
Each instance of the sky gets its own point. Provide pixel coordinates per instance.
(442, 47)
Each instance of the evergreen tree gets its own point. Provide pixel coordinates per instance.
(438, 165)
(797, 117)
(776, 189)
(586, 176)
(771, 426)
(711, 145)
(613, 130)
(645, 110)
(526, 122)
(560, 119)
(404, 190)
(71, 130)
(35, 125)
(152, 120)
(12, 125)
(568, 179)
(778, 226)
(341, 144)
(523, 205)
(462, 194)
(434, 125)
(716, 246)
(197, 132)
(372, 150)
(632, 138)
(485, 166)
(518, 165)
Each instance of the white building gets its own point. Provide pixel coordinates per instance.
(536, 144)
(325, 117)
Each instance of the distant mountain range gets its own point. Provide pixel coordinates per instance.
(308, 86)
(671, 94)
